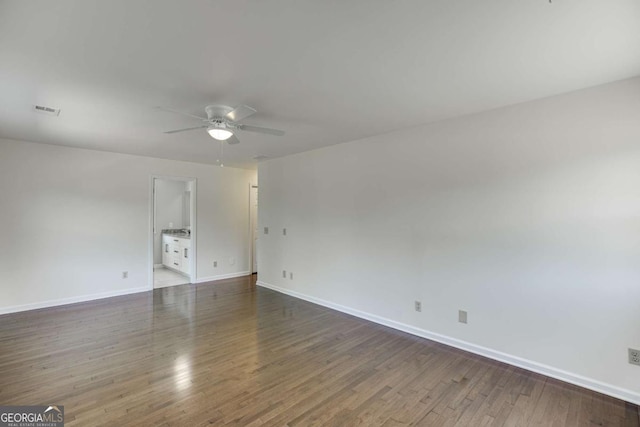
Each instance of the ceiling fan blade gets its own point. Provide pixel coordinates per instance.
(258, 129)
(169, 110)
(233, 140)
(239, 113)
(186, 129)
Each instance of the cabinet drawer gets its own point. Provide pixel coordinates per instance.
(175, 262)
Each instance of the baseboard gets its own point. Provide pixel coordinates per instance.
(158, 265)
(222, 276)
(71, 300)
(579, 380)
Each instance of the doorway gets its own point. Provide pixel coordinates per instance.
(253, 226)
(173, 231)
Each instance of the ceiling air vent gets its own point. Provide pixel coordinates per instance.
(260, 157)
(46, 110)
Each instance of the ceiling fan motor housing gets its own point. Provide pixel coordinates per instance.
(217, 112)
(219, 122)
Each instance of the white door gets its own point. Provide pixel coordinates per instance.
(253, 212)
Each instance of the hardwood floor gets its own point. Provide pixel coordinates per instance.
(232, 354)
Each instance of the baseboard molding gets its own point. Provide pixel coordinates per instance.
(222, 276)
(158, 265)
(71, 300)
(579, 380)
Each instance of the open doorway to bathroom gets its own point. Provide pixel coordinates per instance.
(173, 234)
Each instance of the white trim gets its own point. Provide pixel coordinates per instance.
(252, 231)
(193, 270)
(579, 380)
(251, 254)
(71, 300)
(151, 241)
(158, 265)
(223, 276)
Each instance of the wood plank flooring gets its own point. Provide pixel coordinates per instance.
(229, 353)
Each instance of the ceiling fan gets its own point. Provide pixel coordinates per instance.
(222, 122)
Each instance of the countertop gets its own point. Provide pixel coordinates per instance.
(180, 235)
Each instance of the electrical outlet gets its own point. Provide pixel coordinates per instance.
(462, 316)
(284, 231)
(125, 274)
(418, 306)
(284, 274)
(634, 356)
(291, 276)
(266, 230)
(215, 263)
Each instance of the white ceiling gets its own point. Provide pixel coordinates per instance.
(325, 71)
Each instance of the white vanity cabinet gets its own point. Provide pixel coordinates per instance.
(176, 253)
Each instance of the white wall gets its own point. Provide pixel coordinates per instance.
(169, 211)
(73, 220)
(527, 217)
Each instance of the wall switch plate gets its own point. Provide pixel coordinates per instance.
(634, 356)
(462, 316)
(266, 230)
(291, 276)
(215, 263)
(284, 274)
(284, 231)
(125, 274)
(418, 306)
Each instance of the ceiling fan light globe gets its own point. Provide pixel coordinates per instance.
(219, 134)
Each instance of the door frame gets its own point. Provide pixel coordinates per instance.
(193, 221)
(252, 231)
